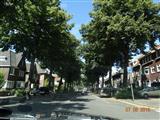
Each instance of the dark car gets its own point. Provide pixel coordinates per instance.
(41, 91)
(108, 91)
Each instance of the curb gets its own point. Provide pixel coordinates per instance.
(135, 104)
(11, 100)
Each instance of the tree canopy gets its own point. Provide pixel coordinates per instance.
(120, 27)
(40, 29)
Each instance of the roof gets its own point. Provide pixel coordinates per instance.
(18, 58)
(150, 52)
(39, 69)
(4, 58)
(136, 63)
(7, 58)
(140, 56)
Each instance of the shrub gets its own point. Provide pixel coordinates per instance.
(126, 94)
(1, 78)
(12, 92)
(19, 92)
(4, 93)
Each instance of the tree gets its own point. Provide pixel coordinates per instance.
(63, 59)
(34, 26)
(70, 65)
(121, 27)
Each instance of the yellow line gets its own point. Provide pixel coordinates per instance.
(137, 105)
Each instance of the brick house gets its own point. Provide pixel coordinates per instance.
(12, 66)
(39, 77)
(150, 64)
(42, 75)
(147, 68)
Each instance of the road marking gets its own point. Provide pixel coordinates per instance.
(157, 109)
(13, 105)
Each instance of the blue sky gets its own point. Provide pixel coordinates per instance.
(79, 9)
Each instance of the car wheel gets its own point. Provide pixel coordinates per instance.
(146, 96)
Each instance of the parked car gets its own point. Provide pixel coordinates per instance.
(41, 91)
(150, 92)
(108, 91)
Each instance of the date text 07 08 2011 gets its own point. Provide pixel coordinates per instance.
(137, 109)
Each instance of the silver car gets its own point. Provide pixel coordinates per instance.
(150, 92)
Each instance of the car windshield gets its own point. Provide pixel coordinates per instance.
(79, 59)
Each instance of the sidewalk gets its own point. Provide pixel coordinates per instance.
(5, 97)
(152, 103)
(4, 100)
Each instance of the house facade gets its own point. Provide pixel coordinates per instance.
(42, 75)
(12, 66)
(39, 77)
(147, 68)
(150, 65)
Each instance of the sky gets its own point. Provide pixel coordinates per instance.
(80, 10)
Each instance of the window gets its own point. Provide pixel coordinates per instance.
(21, 73)
(158, 53)
(153, 69)
(12, 71)
(146, 70)
(145, 60)
(18, 84)
(3, 58)
(10, 84)
(148, 58)
(158, 68)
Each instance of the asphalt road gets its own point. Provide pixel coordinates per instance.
(90, 104)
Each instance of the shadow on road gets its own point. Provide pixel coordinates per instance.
(46, 108)
(46, 105)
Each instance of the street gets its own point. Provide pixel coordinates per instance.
(88, 104)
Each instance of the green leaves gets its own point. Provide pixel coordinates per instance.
(41, 27)
(119, 27)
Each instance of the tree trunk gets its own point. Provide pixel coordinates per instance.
(65, 87)
(125, 74)
(110, 76)
(31, 72)
(51, 82)
(102, 82)
(60, 83)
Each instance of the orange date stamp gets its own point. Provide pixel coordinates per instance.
(137, 109)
